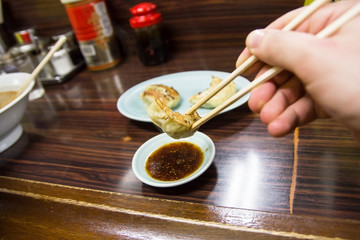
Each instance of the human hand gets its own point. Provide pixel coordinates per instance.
(326, 81)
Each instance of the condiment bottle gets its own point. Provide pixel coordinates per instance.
(94, 32)
(151, 42)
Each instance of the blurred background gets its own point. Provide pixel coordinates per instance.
(189, 24)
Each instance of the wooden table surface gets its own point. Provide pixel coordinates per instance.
(69, 176)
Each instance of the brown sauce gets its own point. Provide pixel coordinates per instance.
(6, 98)
(174, 161)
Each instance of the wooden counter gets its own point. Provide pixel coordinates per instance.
(70, 173)
(69, 176)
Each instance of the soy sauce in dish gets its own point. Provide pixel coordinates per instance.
(174, 161)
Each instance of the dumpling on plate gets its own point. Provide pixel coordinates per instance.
(168, 95)
(172, 123)
(218, 98)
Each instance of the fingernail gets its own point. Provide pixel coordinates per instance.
(254, 38)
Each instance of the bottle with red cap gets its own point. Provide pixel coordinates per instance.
(151, 41)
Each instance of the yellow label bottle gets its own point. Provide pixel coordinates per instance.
(307, 2)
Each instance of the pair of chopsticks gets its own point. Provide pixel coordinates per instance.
(327, 31)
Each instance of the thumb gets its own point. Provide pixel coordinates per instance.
(285, 49)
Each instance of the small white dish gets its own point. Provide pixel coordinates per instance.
(142, 154)
(186, 83)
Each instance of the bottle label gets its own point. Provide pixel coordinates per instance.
(90, 21)
(104, 19)
(95, 34)
(87, 50)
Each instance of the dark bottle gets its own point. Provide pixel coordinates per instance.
(151, 41)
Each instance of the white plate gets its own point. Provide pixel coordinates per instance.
(142, 154)
(186, 83)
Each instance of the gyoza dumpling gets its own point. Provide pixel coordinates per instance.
(168, 95)
(172, 123)
(218, 98)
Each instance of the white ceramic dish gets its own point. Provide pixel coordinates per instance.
(142, 154)
(186, 83)
(12, 114)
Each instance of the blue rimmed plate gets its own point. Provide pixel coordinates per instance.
(186, 83)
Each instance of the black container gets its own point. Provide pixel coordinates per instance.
(151, 40)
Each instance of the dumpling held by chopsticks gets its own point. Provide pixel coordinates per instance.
(174, 124)
(158, 100)
(219, 98)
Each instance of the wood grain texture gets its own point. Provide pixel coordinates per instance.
(76, 136)
(78, 148)
(49, 211)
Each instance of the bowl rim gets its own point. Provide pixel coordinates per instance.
(24, 93)
(158, 141)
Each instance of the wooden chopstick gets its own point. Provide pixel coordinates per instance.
(330, 29)
(41, 65)
(252, 59)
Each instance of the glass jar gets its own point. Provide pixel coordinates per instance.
(151, 40)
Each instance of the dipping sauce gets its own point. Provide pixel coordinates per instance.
(174, 161)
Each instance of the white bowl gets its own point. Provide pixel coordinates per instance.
(142, 154)
(12, 114)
